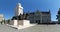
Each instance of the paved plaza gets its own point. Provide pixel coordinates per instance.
(5, 28)
(36, 28)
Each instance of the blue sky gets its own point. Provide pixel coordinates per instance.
(7, 7)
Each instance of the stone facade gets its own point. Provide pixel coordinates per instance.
(40, 17)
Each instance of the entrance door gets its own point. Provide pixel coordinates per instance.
(38, 21)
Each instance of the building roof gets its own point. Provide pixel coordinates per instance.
(45, 12)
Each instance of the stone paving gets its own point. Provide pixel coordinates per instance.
(43, 28)
(5, 28)
(36, 28)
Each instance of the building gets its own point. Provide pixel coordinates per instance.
(1, 17)
(58, 16)
(40, 17)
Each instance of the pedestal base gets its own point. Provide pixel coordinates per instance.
(20, 24)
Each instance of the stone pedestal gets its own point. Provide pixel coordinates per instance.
(24, 22)
(14, 22)
(20, 22)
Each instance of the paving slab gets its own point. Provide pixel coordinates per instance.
(36, 28)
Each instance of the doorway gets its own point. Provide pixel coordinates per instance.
(38, 21)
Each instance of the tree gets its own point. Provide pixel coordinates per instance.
(3, 21)
(8, 21)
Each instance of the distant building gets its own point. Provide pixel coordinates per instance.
(54, 22)
(40, 17)
(58, 16)
(1, 17)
